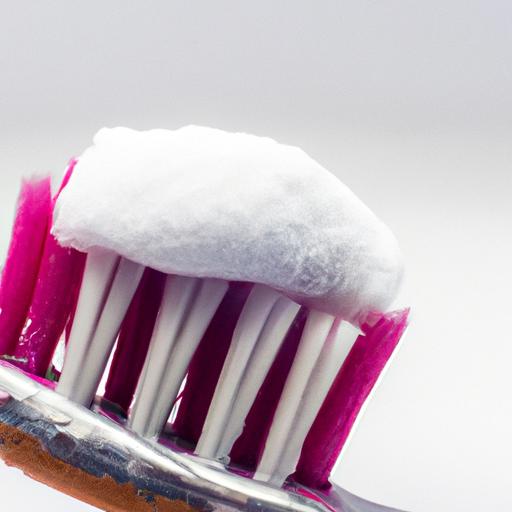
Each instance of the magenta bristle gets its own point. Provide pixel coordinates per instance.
(351, 388)
(75, 293)
(247, 449)
(67, 176)
(21, 269)
(57, 284)
(134, 339)
(206, 365)
(52, 302)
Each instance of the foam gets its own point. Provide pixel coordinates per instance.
(203, 202)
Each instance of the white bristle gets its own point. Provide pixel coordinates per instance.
(316, 330)
(124, 286)
(248, 330)
(281, 318)
(178, 294)
(199, 316)
(334, 352)
(187, 308)
(98, 274)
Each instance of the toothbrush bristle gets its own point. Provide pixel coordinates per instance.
(52, 302)
(126, 280)
(263, 355)
(316, 330)
(134, 338)
(355, 381)
(334, 351)
(206, 365)
(178, 294)
(98, 275)
(247, 332)
(189, 303)
(248, 448)
(19, 274)
(58, 276)
(58, 280)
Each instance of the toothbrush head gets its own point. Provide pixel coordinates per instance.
(226, 291)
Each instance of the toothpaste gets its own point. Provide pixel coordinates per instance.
(206, 203)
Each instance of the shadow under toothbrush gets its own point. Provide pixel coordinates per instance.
(96, 460)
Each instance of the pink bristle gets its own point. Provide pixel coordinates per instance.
(23, 260)
(67, 176)
(53, 299)
(52, 302)
(74, 301)
(207, 363)
(250, 444)
(351, 388)
(134, 339)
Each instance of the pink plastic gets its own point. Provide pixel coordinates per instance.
(23, 260)
(134, 338)
(57, 284)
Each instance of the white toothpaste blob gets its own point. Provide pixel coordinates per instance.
(203, 202)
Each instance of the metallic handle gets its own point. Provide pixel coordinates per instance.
(97, 445)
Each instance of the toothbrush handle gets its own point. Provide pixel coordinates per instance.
(86, 455)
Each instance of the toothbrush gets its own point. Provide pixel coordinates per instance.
(240, 291)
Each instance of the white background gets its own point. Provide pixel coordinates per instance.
(409, 103)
